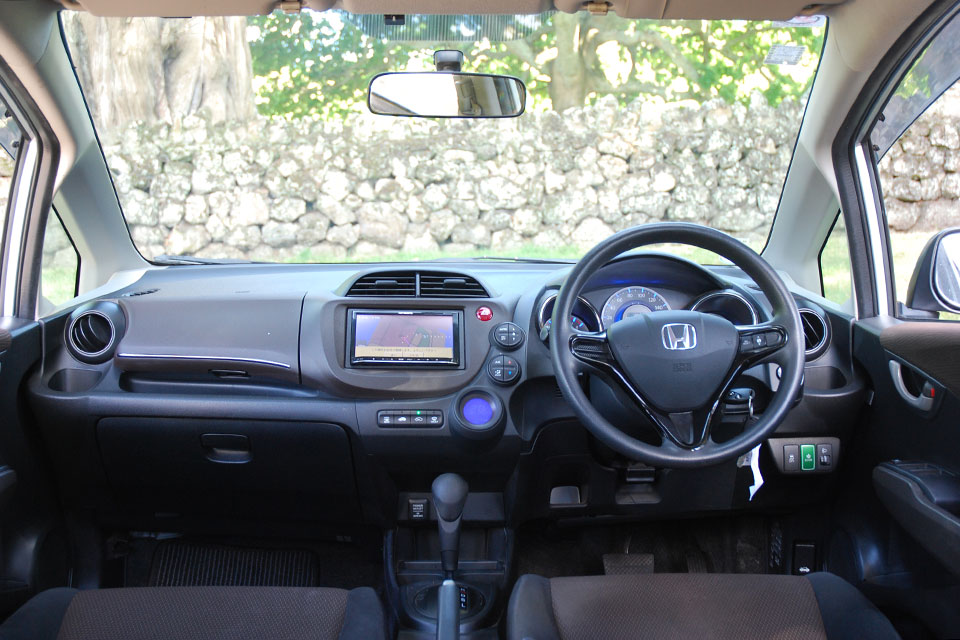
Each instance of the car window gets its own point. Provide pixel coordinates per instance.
(253, 140)
(918, 143)
(60, 265)
(11, 139)
(836, 274)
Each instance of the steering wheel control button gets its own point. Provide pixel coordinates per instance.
(791, 457)
(808, 457)
(507, 335)
(503, 369)
(484, 314)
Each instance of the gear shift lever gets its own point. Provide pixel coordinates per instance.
(449, 495)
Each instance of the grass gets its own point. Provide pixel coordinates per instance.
(58, 284)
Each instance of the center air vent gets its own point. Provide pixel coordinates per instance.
(415, 284)
(94, 330)
(450, 285)
(815, 332)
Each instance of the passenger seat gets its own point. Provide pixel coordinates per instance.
(199, 613)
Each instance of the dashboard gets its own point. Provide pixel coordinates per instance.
(328, 382)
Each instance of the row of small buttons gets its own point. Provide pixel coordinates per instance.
(415, 418)
(806, 457)
(760, 340)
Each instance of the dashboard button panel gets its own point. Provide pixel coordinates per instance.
(507, 335)
(503, 369)
(416, 418)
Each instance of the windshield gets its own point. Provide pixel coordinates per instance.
(250, 138)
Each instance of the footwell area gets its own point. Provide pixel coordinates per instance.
(184, 561)
(187, 564)
(716, 545)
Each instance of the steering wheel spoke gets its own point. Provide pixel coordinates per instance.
(593, 350)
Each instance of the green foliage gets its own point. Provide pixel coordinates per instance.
(318, 64)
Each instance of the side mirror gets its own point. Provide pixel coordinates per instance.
(446, 94)
(935, 285)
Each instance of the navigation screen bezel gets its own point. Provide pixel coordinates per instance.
(454, 362)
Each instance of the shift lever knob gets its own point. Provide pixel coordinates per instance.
(449, 496)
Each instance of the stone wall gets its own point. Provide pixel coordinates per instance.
(920, 175)
(368, 186)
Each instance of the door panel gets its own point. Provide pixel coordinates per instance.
(33, 547)
(901, 568)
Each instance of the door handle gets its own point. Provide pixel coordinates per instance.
(921, 402)
(226, 448)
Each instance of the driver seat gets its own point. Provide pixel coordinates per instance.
(623, 607)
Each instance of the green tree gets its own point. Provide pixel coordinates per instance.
(319, 63)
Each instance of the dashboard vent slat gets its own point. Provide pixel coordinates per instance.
(385, 285)
(450, 285)
(413, 284)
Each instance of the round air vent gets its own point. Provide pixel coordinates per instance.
(94, 330)
(816, 333)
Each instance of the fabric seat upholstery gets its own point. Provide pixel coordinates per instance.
(622, 607)
(199, 613)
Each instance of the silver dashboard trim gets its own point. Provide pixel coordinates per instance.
(732, 294)
(172, 356)
(552, 297)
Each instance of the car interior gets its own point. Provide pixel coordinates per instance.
(665, 414)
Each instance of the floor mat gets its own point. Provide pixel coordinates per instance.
(710, 545)
(615, 564)
(187, 564)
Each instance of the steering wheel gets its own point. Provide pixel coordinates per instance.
(677, 365)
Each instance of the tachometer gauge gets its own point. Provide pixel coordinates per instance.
(630, 301)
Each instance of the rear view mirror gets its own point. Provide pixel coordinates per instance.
(446, 94)
(935, 285)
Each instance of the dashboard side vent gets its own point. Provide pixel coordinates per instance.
(816, 332)
(94, 330)
(450, 285)
(390, 285)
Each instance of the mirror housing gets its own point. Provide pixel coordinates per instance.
(446, 94)
(935, 284)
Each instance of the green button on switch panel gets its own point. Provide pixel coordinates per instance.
(808, 457)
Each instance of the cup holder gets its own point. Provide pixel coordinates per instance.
(74, 380)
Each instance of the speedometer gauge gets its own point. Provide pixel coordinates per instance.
(630, 301)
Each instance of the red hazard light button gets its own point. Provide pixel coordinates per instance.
(484, 314)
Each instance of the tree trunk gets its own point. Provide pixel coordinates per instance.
(567, 71)
(154, 69)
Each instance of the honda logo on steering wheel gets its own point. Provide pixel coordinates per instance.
(678, 336)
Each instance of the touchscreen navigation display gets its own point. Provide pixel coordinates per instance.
(405, 337)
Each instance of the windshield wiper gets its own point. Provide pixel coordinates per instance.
(165, 259)
(510, 259)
